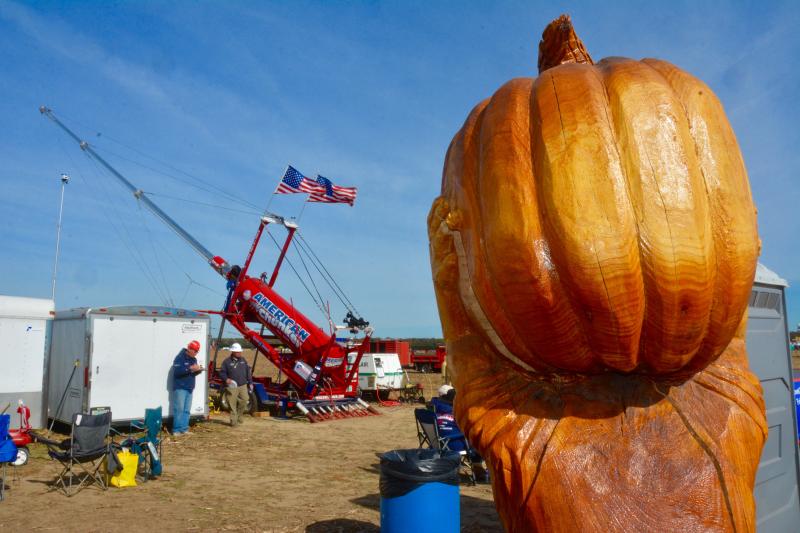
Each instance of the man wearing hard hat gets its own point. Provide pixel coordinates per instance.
(238, 379)
(184, 370)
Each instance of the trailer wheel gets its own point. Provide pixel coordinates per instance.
(22, 456)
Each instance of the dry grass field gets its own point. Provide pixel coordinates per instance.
(267, 475)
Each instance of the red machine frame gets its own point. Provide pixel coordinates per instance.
(321, 374)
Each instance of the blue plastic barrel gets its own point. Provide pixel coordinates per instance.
(419, 492)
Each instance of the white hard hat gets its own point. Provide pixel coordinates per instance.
(236, 347)
(444, 389)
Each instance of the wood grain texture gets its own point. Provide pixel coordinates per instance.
(593, 251)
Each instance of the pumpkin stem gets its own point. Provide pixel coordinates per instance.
(561, 45)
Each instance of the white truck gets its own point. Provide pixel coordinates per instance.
(121, 358)
(24, 335)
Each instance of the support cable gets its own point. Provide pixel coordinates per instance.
(322, 265)
(180, 267)
(137, 261)
(327, 275)
(151, 239)
(185, 292)
(100, 135)
(322, 275)
(211, 189)
(204, 204)
(125, 236)
(310, 278)
(128, 241)
(300, 279)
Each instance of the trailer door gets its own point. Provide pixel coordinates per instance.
(122, 365)
(68, 373)
(171, 336)
(132, 363)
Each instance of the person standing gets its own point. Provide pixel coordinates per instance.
(184, 370)
(238, 379)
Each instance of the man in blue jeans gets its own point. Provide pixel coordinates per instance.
(184, 370)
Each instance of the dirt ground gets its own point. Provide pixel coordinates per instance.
(266, 475)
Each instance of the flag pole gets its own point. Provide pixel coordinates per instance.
(272, 197)
(302, 209)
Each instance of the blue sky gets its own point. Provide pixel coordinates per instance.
(368, 94)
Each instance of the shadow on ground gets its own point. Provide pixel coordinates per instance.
(370, 501)
(342, 525)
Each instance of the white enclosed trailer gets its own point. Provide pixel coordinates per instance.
(121, 357)
(24, 335)
(380, 371)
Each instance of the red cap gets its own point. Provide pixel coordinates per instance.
(194, 345)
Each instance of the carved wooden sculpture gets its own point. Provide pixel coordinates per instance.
(593, 251)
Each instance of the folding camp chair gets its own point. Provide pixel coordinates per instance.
(455, 441)
(82, 455)
(8, 451)
(147, 446)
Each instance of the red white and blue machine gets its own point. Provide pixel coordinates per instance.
(320, 374)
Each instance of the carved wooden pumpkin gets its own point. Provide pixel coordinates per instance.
(593, 252)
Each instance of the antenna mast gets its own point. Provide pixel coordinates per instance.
(64, 181)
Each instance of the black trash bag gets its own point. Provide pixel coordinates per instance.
(404, 470)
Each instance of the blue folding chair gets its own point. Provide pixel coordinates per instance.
(440, 406)
(448, 439)
(147, 446)
(8, 451)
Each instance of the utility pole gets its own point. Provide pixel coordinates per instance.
(64, 181)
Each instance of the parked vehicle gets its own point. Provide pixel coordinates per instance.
(429, 360)
(121, 357)
(24, 342)
(380, 371)
(401, 348)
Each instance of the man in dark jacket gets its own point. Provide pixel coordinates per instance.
(238, 379)
(184, 369)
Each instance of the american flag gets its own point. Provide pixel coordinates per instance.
(293, 182)
(332, 194)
